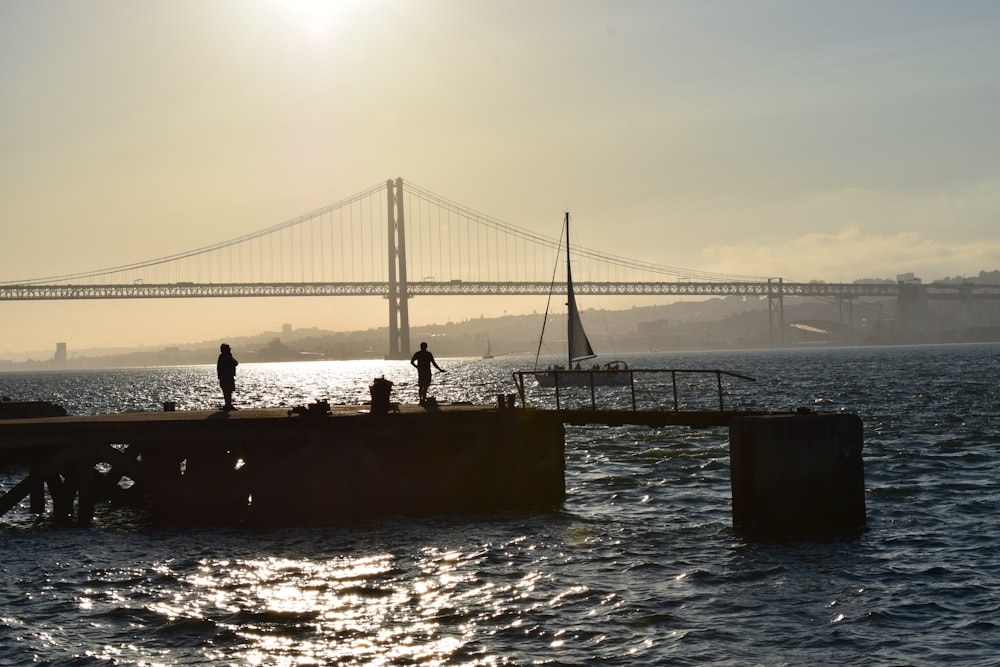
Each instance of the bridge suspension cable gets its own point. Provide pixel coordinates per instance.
(261, 233)
(554, 243)
(346, 242)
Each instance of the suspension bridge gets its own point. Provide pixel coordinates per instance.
(397, 240)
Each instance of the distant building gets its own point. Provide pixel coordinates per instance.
(60, 357)
(286, 330)
(908, 278)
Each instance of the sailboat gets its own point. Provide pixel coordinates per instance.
(579, 349)
(489, 353)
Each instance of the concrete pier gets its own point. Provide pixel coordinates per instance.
(270, 465)
(789, 471)
(797, 473)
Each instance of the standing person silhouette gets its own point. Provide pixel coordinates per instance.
(422, 361)
(225, 367)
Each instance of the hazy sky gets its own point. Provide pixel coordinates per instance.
(811, 140)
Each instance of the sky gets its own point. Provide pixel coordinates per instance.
(803, 139)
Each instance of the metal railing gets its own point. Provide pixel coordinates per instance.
(597, 377)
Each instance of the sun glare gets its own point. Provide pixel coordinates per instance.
(318, 18)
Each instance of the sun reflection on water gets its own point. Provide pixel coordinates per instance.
(346, 610)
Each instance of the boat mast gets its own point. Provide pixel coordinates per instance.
(570, 303)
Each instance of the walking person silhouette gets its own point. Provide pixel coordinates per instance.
(422, 360)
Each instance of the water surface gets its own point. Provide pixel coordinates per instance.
(639, 566)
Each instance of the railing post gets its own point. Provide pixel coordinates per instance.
(631, 384)
(519, 381)
(718, 382)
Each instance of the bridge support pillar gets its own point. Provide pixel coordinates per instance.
(776, 310)
(399, 314)
(912, 316)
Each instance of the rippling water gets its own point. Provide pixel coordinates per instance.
(640, 565)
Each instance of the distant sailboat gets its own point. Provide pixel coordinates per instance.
(579, 348)
(489, 353)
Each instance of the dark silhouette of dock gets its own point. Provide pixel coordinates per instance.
(276, 464)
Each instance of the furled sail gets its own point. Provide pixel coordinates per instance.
(579, 346)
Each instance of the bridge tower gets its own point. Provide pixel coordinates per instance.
(776, 310)
(399, 313)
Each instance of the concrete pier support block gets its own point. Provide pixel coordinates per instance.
(800, 473)
(410, 464)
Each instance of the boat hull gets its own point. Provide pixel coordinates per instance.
(599, 378)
